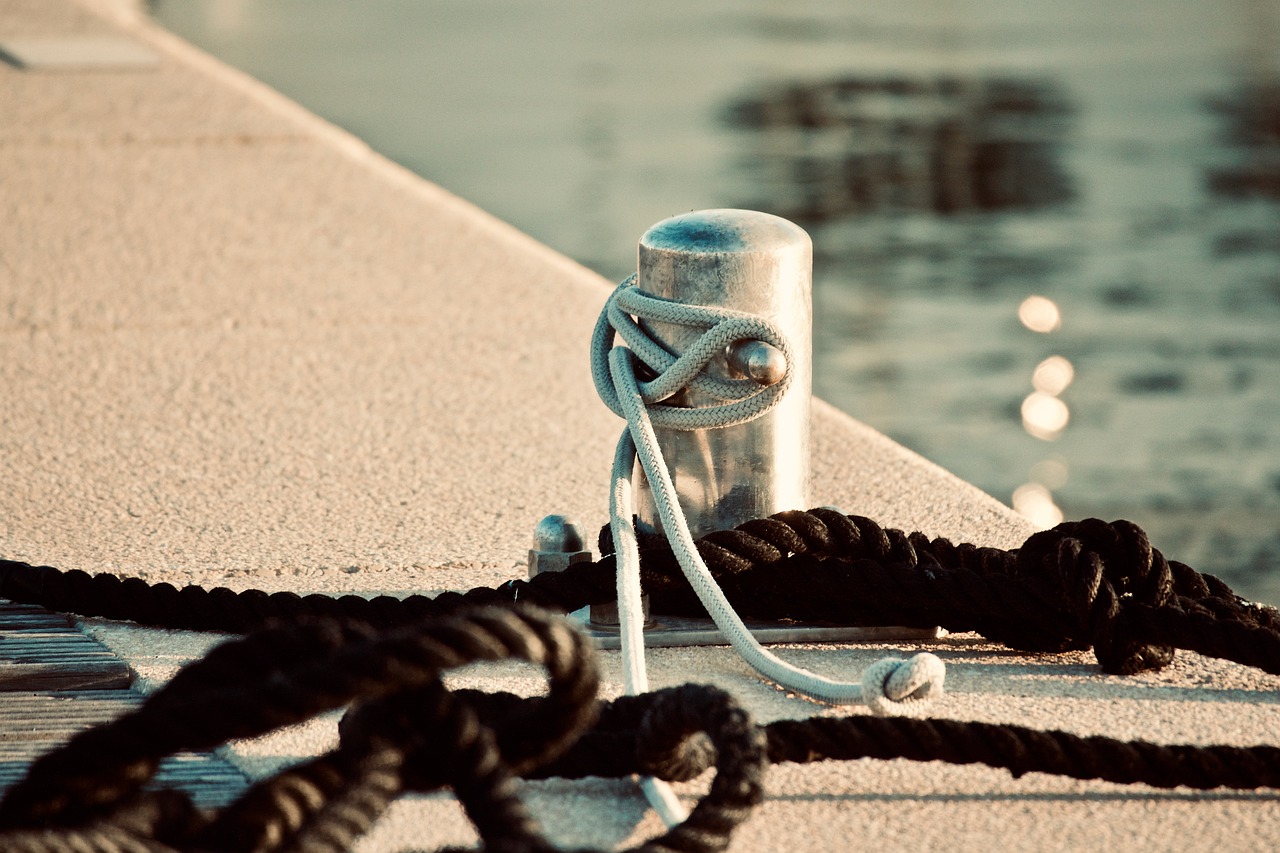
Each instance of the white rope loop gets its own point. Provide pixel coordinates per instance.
(745, 398)
(888, 686)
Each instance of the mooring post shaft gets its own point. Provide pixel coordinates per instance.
(759, 264)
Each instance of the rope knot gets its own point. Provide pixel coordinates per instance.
(672, 744)
(1103, 570)
(741, 400)
(689, 728)
(895, 687)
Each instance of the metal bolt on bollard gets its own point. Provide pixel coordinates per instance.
(557, 544)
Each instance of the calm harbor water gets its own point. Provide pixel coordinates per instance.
(1047, 235)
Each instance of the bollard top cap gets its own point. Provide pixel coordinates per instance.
(725, 230)
(558, 533)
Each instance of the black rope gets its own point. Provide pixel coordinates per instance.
(611, 749)
(194, 608)
(406, 732)
(1080, 585)
(1087, 584)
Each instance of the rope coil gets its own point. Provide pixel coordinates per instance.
(744, 399)
(405, 731)
(1081, 584)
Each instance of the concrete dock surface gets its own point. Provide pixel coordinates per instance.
(239, 348)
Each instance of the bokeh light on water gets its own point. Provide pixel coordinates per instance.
(1047, 236)
(1040, 314)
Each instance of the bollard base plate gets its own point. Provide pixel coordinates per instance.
(676, 631)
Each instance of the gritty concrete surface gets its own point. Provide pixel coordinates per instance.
(238, 348)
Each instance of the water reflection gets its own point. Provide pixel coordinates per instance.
(1250, 133)
(1053, 375)
(910, 185)
(945, 145)
(1035, 503)
(1040, 314)
(1044, 416)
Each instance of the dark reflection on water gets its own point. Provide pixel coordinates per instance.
(1244, 176)
(947, 145)
(1250, 122)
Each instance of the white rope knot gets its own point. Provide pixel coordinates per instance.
(742, 400)
(892, 686)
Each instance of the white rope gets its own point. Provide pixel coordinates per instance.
(888, 686)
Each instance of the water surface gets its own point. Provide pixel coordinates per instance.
(1047, 235)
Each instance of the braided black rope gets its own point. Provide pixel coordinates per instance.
(617, 746)
(195, 608)
(1080, 585)
(283, 676)
(406, 732)
(1083, 584)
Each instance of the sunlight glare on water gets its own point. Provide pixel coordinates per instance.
(1053, 375)
(1040, 314)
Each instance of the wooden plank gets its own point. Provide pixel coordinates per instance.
(83, 674)
(17, 614)
(41, 650)
(211, 781)
(53, 649)
(55, 682)
(39, 699)
(35, 723)
(29, 726)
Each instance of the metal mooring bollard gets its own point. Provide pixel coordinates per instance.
(760, 264)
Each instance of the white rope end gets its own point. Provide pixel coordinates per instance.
(664, 801)
(894, 687)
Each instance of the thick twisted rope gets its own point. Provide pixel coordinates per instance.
(817, 566)
(616, 745)
(406, 732)
(1082, 584)
(283, 676)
